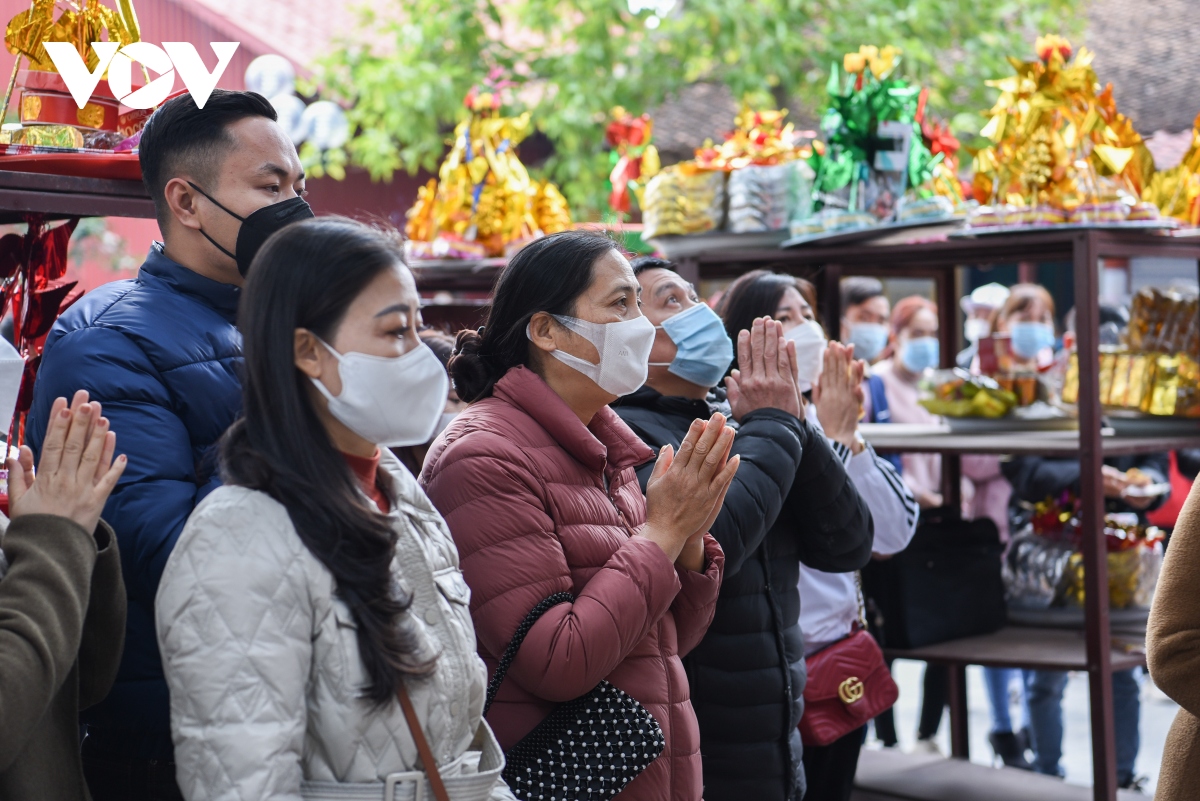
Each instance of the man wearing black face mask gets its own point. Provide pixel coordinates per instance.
(161, 354)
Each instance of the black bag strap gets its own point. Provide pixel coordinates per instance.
(510, 653)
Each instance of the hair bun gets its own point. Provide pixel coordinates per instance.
(468, 368)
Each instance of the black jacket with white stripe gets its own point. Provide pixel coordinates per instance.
(791, 502)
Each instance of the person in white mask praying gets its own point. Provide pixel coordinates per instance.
(536, 481)
(829, 600)
(791, 501)
(313, 622)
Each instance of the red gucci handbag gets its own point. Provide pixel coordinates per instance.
(848, 684)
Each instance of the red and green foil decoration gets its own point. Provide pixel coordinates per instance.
(863, 92)
(633, 159)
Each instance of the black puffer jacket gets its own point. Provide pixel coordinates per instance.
(791, 502)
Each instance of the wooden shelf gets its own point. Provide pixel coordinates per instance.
(456, 275)
(61, 196)
(928, 249)
(1023, 647)
(901, 438)
(931, 254)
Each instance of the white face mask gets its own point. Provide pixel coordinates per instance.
(624, 349)
(810, 352)
(391, 401)
(976, 328)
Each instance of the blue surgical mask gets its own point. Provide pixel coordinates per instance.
(1030, 339)
(921, 354)
(868, 339)
(704, 351)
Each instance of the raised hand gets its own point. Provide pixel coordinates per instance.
(686, 489)
(766, 374)
(838, 394)
(77, 472)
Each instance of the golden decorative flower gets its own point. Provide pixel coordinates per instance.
(90, 116)
(31, 108)
(854, 63)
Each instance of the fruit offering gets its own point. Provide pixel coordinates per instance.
(955, 393)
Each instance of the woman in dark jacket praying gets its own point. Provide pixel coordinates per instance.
(790, 502)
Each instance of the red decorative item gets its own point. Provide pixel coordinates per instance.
(53, 82)
(32, 267)
(1168, 514)
(848, 684)
(51, 108)
(633, 158)
(116, 166)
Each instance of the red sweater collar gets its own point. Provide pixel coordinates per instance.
(365, 470)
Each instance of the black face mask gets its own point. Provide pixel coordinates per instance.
(258, 227)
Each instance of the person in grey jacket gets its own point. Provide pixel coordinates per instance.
(62, 603)
(319, 586)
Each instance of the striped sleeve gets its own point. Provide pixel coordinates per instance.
(890, 500)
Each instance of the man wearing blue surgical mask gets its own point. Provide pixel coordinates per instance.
(865, 315)
(748, 671)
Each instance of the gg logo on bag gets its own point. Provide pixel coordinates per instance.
(851, 690)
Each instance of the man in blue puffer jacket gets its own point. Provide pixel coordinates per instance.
(162, 354)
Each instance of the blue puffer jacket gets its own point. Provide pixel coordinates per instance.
(162, 354)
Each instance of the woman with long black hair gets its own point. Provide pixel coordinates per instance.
(319, 586)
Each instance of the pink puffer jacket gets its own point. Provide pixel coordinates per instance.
(522, 484)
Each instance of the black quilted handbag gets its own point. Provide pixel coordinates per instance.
(588, 748)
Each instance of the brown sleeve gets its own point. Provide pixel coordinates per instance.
(104, 628)
(43, 600)
(1173, 634)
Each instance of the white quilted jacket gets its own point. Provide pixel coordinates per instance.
(262, 660)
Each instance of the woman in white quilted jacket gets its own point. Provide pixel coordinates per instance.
(313, 622)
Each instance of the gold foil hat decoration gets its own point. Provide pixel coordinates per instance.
(484, 202)
(1056, 139)
(80, 23)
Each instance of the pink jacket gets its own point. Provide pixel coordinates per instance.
(522, 484)
(989, 491)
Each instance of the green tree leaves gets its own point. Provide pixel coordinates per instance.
(404, 75)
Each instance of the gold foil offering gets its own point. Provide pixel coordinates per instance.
(1120, 380)
(483, 198)
(48, 136)
(31, 108)
(90, 116)
(1141, 382)
(81, 23)
(683, 199)
(1070, 391)
(1107, 360)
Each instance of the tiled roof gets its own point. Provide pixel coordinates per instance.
(299, 29)
(1150, 51)
(701, 111)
